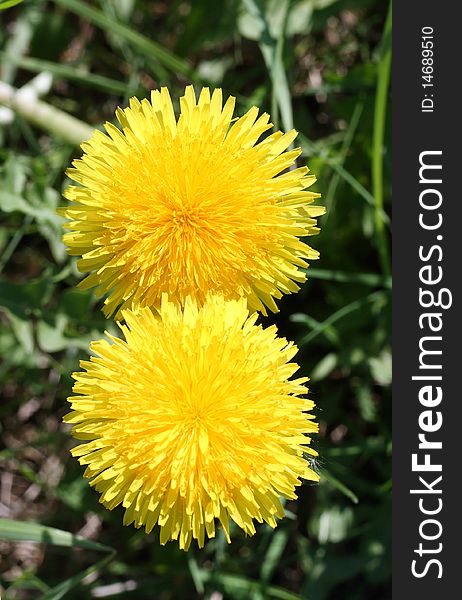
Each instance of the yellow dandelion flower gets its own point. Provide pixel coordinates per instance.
(193, 419)
(190, 206)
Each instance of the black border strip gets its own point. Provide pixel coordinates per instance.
(426, 131)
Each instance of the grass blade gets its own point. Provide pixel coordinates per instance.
(336, 165)
(273, 554)
(354, 122)
(147, 47)
(236, 585)
(345, 277)
(196, 574)
(37, 65)
(64, 587)
(9, 4)
(24, 531)
(339, 314)
(380, 114)
(272, 51)
(330, 332)
(339, 485)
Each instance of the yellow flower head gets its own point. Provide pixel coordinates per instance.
(193, 418)
(190, 206)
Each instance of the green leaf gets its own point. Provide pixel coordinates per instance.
(52, 334)
(381, 367)
(334, 524)
(20, 192)
(324, 367)
(76, 304)
(23, 299)
(366, 405)
(23, 332)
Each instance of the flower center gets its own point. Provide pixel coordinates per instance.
(186, 219)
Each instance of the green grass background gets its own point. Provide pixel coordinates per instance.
(319, 65)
